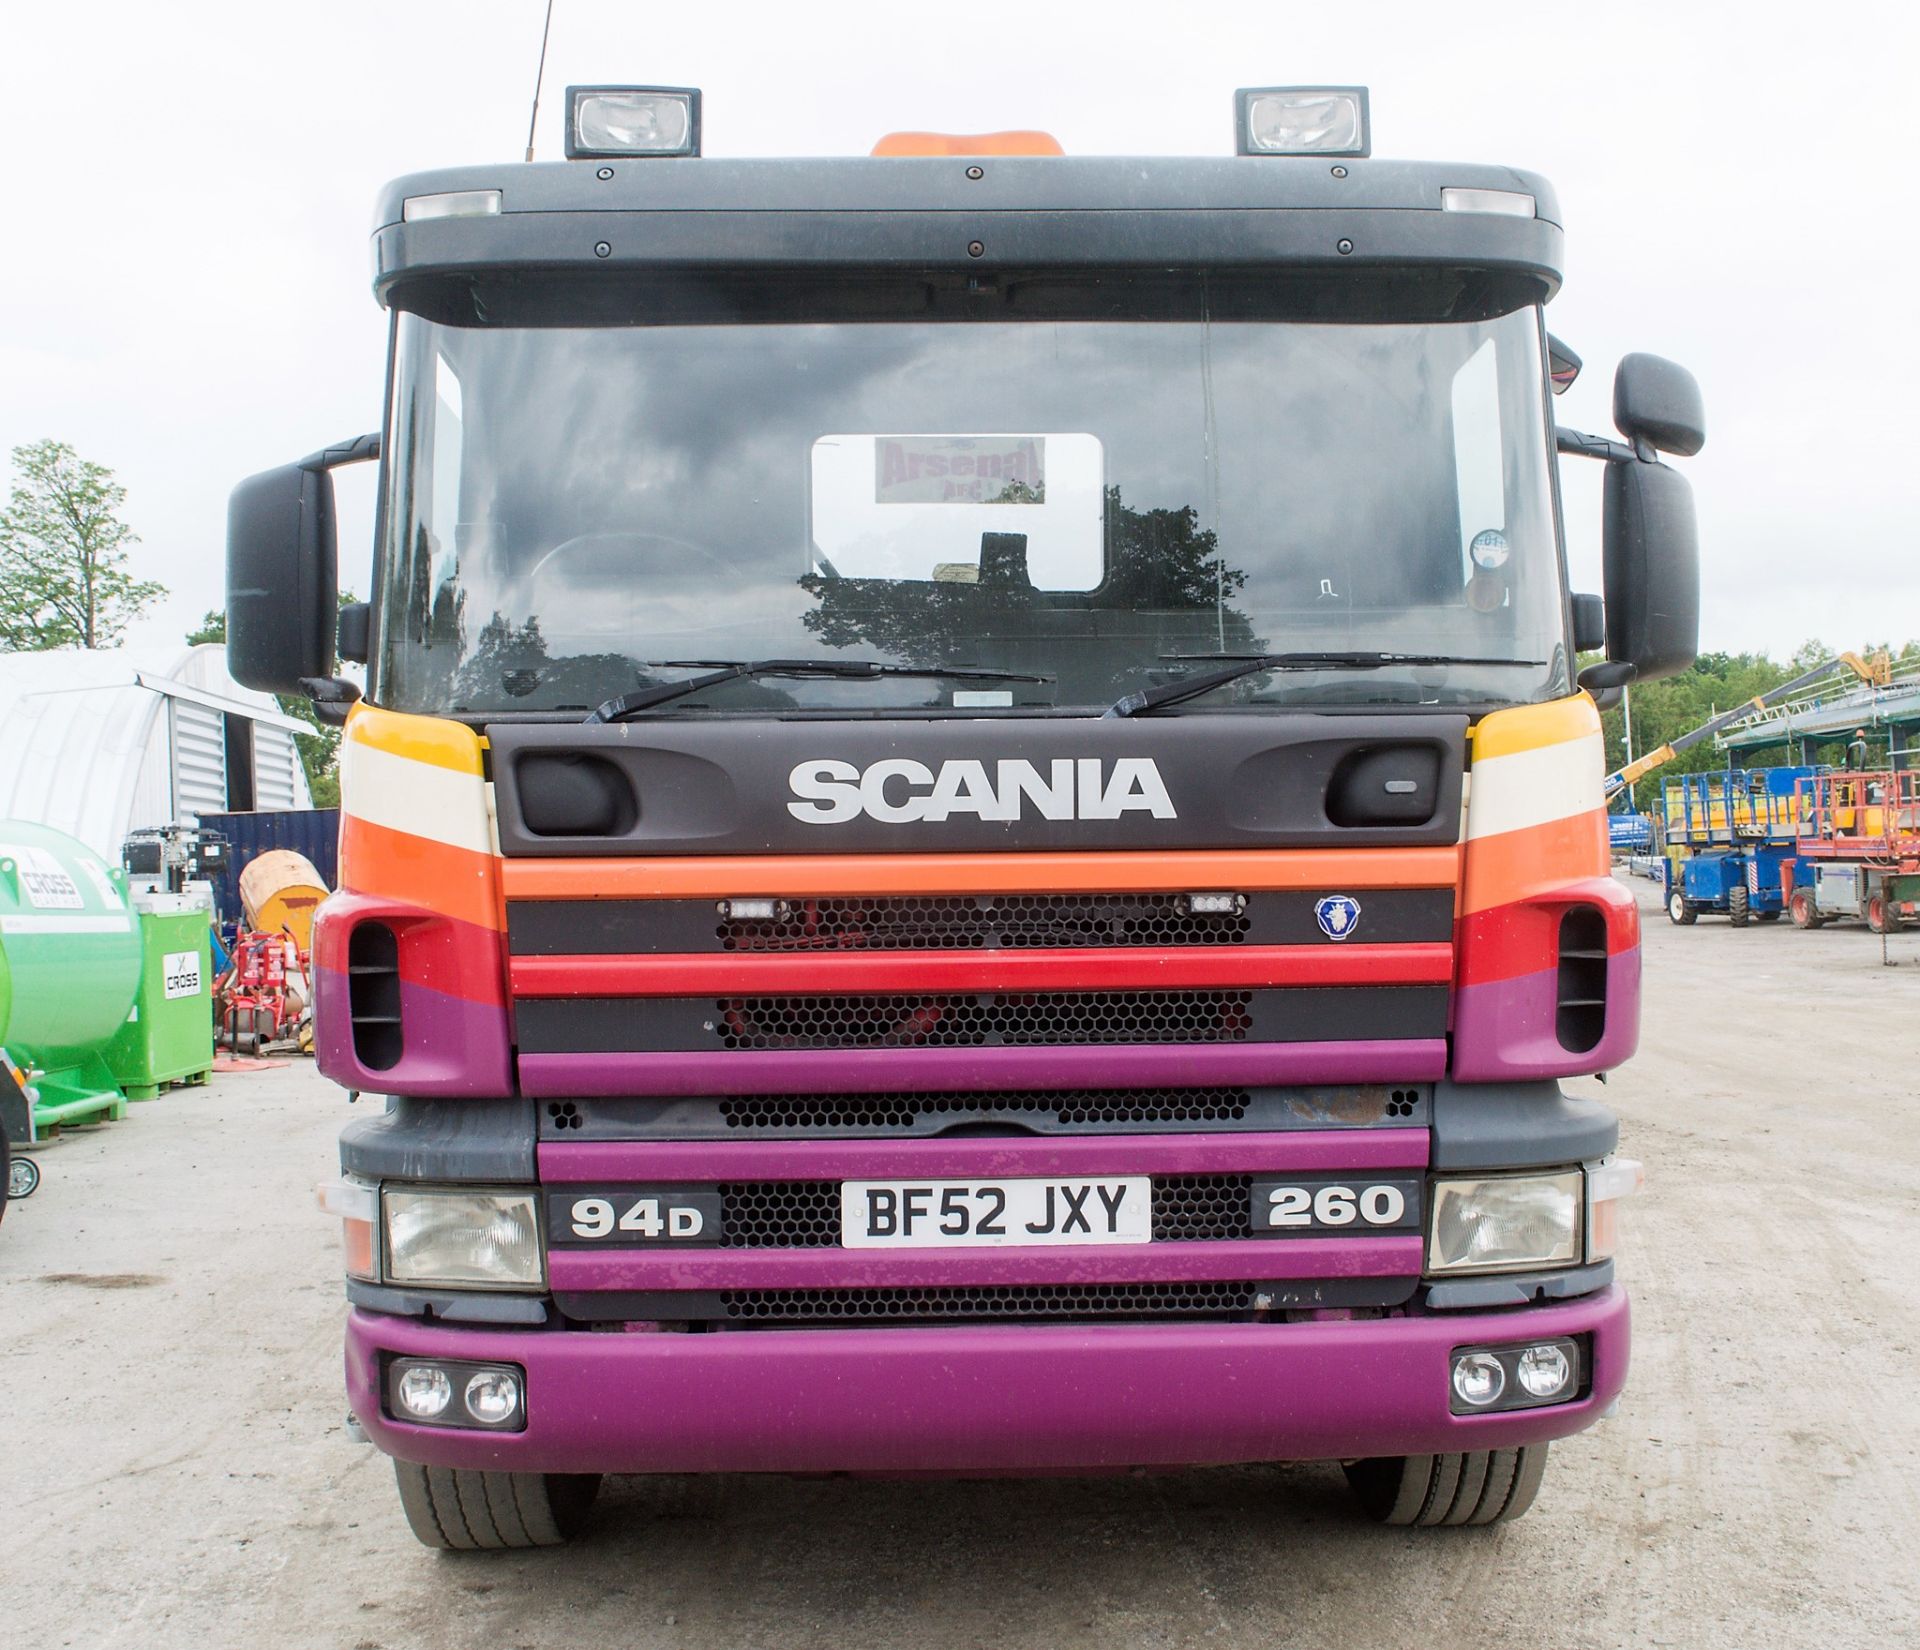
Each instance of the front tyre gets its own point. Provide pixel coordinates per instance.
(464, 1510)
(1425, 1491)
(1680, 910)
(1737, 905)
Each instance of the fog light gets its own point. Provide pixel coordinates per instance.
(1216, 905)
(1478, 1379)
(424, 1391)
(1526, 1375)
(493, 1396)
(1543, 1370)
(1302, 120)
(754, 910)
(612, 121)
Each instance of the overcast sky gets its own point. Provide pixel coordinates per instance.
(188, 190)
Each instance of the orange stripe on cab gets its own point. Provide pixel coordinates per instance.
(1517, 865)
(812, 876)
(455, 882)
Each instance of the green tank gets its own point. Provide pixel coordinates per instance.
(70, 961)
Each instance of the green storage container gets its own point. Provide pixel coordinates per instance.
(168, 1035)
(69, 967)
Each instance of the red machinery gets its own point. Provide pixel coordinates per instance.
(1859, 847)
(256, 1006)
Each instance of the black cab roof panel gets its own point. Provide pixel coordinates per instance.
(1017, 183)
(1022, 212)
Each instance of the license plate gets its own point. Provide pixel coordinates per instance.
(982, 1214)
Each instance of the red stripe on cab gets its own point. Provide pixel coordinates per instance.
(1088, 969)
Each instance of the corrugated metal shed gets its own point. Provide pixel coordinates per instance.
(103, 742)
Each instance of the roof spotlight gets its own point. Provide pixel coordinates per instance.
(620, 122)
(1303, 120)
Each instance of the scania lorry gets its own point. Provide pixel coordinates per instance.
(974, 840)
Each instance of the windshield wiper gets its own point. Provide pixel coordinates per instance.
(660, 693)
(1252, 664)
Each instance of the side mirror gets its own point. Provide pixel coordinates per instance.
(356, 622)
(1563, 366)
(282, 574)
(1651, 555)
(1658, 403)
(1650, 542)
(1589, 623)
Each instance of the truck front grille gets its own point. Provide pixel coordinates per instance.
(1096, 1300)
(787, 1113)
(986, 922)
(805, 1214)
(897, 1114)
(974, 1021)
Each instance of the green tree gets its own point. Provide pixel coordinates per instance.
(63, 554)
(319, 750)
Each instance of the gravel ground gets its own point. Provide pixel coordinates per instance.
(176, 1472)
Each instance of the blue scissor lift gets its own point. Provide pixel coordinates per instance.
(1736, 830)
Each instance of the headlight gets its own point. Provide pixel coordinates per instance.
(462, 1239)
(1505, 1223)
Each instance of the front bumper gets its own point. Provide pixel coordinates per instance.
(1033, 1398)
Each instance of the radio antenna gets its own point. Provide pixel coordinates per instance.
(539, 75)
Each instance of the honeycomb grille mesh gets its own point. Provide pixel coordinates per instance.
(1191, 1206)
(988, 922)
(805, 1214)
(1095, 1300)
(780, 1214)
(904, 1111)
(958, 1021)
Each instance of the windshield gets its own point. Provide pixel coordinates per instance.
(1109, 505)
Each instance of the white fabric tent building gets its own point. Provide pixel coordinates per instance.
(104, 742)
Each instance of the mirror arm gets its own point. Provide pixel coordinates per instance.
(1604, 674)
(357, 451)
(332, 696)
(1582, 445)
(1606, 680)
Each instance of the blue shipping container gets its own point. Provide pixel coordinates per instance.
(314, 832)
